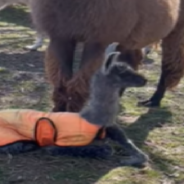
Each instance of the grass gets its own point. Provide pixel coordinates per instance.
(159, 132)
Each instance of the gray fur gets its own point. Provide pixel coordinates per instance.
(113, 76)
(102, 107)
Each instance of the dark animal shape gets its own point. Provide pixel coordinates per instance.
(101, 109)
(97, 23)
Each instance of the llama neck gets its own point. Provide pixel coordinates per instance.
(102, 106)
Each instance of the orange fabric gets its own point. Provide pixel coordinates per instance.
(70, 129)
(45, 132)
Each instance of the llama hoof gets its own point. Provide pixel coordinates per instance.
(135, 161)
(59, 109)
(149, 103)
(32, 47)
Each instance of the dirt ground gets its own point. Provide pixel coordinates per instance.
(159, 131)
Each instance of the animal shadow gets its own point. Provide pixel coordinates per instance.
(154, 118)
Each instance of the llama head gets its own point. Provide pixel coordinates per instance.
(119, 73)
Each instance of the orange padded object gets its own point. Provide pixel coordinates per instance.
(61, 129)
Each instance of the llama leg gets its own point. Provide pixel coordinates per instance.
(19, 147)
(172, 65)
(135, 156)
(78, 87)
(58, 65)
(90, 151)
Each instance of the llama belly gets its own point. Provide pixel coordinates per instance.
(159, 21)
(85, 20)
(131, 22)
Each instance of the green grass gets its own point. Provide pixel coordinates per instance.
(159, 131)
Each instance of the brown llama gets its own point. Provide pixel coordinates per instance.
(133, 23)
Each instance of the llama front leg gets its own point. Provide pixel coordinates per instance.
(58, 65)
(90, 151)
(19, 147)
(136, 156)
(172, 65)
(78, 87)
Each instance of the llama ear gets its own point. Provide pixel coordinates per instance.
(110, 61)
(111, 48)
(111, 55)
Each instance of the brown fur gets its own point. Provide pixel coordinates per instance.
(173, 52)
(97, 23)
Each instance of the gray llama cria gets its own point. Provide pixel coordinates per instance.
(113, 76)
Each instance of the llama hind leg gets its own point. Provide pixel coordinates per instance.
(172, 65)
(135, 156)
(58, 65)
(78, 87)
